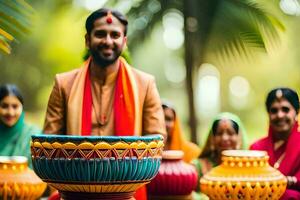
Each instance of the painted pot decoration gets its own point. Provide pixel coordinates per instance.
(243, 174)
(175, 179)
(17, 181)
(82, 167)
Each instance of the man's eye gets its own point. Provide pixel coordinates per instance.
(115, 35)
(273, 110)
(100, 34)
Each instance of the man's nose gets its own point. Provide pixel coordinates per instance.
(108, 39)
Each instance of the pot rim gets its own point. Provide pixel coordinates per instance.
(13, 160)
(244, 153)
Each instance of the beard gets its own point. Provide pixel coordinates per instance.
(103, 61)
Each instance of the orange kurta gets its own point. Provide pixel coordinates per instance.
(63, 117)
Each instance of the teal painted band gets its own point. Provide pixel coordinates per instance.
(96, 170)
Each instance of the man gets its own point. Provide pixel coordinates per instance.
(283, 140)
(105, 96)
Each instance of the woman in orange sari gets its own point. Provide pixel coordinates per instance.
(175, 139)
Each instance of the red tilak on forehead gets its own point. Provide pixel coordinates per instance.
(225, 123)
(109, 17)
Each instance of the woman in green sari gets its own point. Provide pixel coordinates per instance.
(227, 132)
(15, 134)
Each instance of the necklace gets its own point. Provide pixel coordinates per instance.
(277, 163)
(103, 115)
(278, 145)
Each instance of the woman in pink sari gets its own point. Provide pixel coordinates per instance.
(283, 140)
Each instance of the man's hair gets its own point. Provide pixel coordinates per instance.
(89, 24)
(286, 93)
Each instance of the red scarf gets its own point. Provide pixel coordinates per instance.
(126, 119)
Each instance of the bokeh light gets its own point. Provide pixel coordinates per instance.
(174, 70)
(290, 7)
(208, 90)
(239, 89)
(90, 4)
(173, 29)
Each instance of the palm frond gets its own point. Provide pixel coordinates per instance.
(4, 46)
(6, 35)
(14, 22)
(237, 26)
(241, 27)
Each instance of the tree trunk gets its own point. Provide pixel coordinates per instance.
(198, 17)
(190, 33)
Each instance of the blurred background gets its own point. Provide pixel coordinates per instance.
(207, 56)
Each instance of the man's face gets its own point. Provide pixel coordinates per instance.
(282, 116)
(106, 41)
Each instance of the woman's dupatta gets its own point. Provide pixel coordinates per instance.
(10, 137)
(178, 142)
(15, 140)
(291, 162)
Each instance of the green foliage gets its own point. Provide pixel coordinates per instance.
(229, 28)
(14, 22)
(242, 27)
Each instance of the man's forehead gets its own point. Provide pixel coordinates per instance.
(103, 21)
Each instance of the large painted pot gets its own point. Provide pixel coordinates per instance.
(243, 174)
(17, 181)
(96, 167)
(175, 180)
